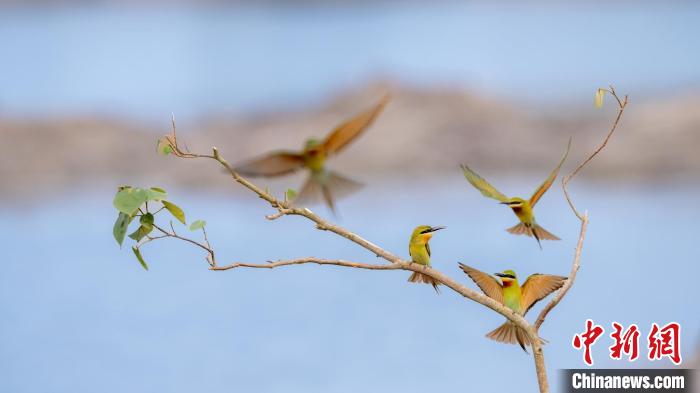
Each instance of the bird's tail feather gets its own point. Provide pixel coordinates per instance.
(536, 231)
(424, 279)
(509, 333)
(326, 187)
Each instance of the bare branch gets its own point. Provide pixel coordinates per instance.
(572, 275)
(400, 264)
(301, 261)
(206, 247)
(622, 104)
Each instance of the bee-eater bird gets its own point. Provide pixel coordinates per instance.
(521, 207)
(322, 184)
(518, 298)
(419, 250)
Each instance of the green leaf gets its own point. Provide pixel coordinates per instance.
(599, 94)
(120, 227)
(175, 211)
(199, 224)
(156, 194)
(140, 233)
(147, 220)
(137, 252)
(144, 229)
(291, 194)
(165, 145)
(128, 200)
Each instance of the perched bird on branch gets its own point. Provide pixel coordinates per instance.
(521, 207)
(518, 298)
(322, 184)
(419, 250)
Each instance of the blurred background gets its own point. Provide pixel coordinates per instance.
(86, 88)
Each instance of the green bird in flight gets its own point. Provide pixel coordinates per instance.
(523, 208)
(322, 184)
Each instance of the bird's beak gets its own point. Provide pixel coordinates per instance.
(433, 229)
(499, 274)
(504, 203)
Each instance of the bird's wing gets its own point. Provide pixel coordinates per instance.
(343, 134)
(491, 287)
(273, 164)
(537, 287)
(482, 185)
(548, 182)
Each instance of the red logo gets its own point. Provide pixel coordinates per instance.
(662, 341)
(627, 343)
(665, 342)
(592, 333)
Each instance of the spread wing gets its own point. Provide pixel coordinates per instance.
(537, 287)
(345, 133)
(548, 183)
(488, 284)
(273, 164)
(482, 185)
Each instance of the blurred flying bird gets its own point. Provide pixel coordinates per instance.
(521, 207)
(322, 184)
(419, 250)
(519, 299)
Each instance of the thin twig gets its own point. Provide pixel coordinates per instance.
(622, 103)
(300, 261)
(572, 275)
(174, 235)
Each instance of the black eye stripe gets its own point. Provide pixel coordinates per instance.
(508, 276)
(426, 230)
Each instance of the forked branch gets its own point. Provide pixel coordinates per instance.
(284, 207)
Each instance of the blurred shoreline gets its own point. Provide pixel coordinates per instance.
(422, 132)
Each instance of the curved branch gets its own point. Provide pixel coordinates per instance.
(301, 261)
(622, 104)
(572, 275)
(400, 264)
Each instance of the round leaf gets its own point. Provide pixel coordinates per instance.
(128, 200)
(147, 220)
(199, 224)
